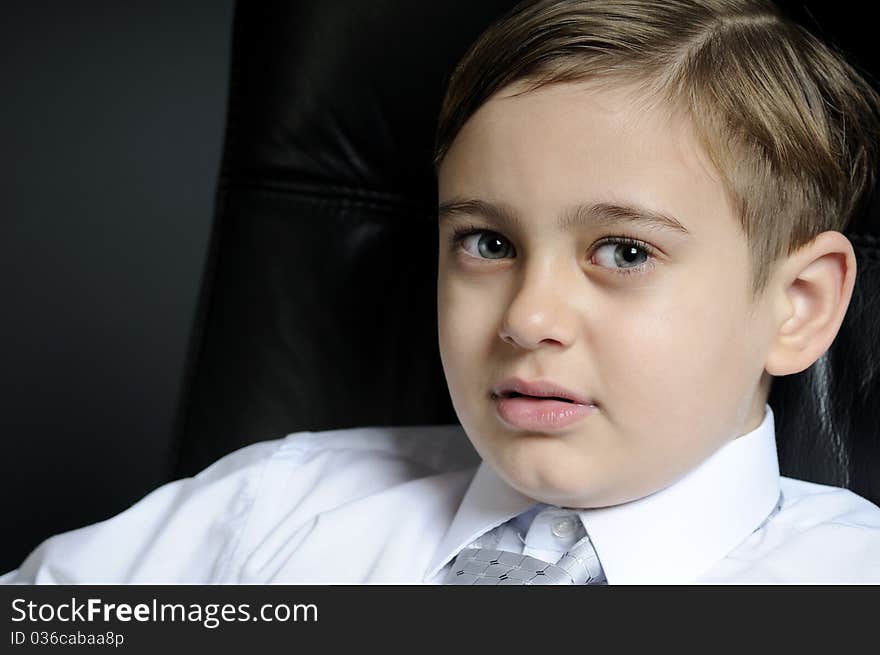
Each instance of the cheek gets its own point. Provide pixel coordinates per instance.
(462, 329)
(673, 355)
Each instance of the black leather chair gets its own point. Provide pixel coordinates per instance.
(318, 304)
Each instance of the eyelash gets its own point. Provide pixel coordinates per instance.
(459, 233)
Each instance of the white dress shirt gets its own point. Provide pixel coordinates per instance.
(395, 505)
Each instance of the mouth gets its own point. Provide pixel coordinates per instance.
(516, 394)
(546, 390)
(539, 413)
(539, 405)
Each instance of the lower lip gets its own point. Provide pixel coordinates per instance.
(527, 413)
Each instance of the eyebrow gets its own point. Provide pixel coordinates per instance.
(605, 214)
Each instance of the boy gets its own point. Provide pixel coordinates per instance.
(629, 253)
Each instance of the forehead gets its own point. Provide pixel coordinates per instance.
(573, 143)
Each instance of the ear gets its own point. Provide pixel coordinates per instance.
(812, 291)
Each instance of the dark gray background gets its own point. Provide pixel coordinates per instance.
(111, 129)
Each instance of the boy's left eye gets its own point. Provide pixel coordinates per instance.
(622, 255)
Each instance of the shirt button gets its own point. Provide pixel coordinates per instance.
(563, 527)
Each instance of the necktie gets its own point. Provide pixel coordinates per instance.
(482, 566)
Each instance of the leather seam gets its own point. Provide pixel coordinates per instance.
(340, 195)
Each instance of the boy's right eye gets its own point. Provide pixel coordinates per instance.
(485, 244)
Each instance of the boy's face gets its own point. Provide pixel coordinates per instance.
(671, 354)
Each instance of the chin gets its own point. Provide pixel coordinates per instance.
(548, 484)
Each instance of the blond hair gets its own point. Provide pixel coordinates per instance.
(789, 124)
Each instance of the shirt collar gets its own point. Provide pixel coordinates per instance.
(669, 537)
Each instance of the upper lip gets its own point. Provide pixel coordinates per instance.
(538, 388)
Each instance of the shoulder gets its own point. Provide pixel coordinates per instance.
(808, 504)
(343, 476)
(334, 467)
(822, 534)
(435, 447)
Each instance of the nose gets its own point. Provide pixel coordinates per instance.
(540, 311)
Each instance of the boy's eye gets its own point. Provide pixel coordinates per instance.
(623, 255)
(482, 244)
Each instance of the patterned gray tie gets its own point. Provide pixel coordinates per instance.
(482, 566)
